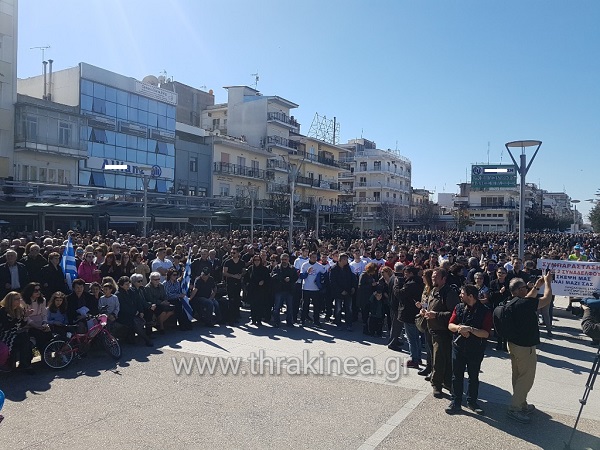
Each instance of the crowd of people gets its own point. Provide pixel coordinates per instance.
(417, 288)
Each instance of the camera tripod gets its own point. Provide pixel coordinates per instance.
(589, 385)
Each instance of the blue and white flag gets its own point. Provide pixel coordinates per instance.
(185, 287)
(68, 264)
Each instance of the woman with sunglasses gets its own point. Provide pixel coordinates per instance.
(37, 315)
(88, 270)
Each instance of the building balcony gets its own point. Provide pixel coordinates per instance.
(346, 176)
(321, 159)
(242, 171)
(278, 164)
(281, 142)
(383, 169)
(384, 154)
(283, 119)
(379, 187)
(75, 149)
(318, 184)
(506, 205)
(278, 188)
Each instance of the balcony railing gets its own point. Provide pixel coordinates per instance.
(395, 187)
(316, 183)
(278, 188)
(282, 142)
(505, 205)
(321, 159)
(242, 171)
(277, 164)
(283, 118)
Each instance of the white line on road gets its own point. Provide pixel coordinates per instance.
(377, 438)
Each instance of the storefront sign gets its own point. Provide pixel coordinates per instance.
(162, 95)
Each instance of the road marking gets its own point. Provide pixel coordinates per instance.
(385, 429)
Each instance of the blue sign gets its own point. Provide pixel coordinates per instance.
(156, 171)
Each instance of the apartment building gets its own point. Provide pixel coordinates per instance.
(8, 83)
(381, 184)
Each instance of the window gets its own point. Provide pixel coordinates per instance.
(363, 166)
(225, 158)
(30, 127)
(241, 161)
(255, 164)
(97, 135)
(193, 164)
(64, 133)
(99, 106)
(201, 192)
(161, 186)
(43, 174)
(377, 196)
(224, 190)
(192, 191)
(216, 123)
(24, 173)
(97, 179)
(376, 165)
(161, 148)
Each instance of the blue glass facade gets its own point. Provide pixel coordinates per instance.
(126, 128)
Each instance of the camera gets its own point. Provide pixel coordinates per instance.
(593, 302)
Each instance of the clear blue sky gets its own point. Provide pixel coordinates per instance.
(439, 80)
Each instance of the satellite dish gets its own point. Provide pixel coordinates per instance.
(150, 79)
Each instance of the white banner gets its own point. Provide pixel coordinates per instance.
(572, 278)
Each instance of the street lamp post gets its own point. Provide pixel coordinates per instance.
(146, 172)
(317, 207)
(252, 192)
(522, 168)
(575, 224)
(293, 171)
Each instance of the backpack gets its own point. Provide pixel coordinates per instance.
(505, 319)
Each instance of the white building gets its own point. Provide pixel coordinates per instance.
(8, 83)
(382, 182)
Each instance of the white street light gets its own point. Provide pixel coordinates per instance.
(145, 175)
(522, 168)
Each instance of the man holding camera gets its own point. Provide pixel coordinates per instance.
(590, 323)
(522, 346)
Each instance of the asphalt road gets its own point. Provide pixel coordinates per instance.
(142, 402)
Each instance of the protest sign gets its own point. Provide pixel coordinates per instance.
(572, 278)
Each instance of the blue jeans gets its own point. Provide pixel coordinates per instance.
(212, 307)
(280, 299)
(414, 341)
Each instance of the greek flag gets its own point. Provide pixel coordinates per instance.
(185, 287)
(68, 263)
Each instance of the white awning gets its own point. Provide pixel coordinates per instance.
(171, 219)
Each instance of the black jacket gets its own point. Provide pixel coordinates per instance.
(408, 296)
(34, 267)
(53, 280)
(5, 278)
(340, 280)
(278, 276)
(591, 323)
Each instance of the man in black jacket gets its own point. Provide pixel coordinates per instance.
(34, 262)
(13, 274)
(408, 308)
(342, 283)
(395, 342)
(441, 303)
(284, 278)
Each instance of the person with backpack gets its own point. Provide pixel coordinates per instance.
(517, 322)
(471, 323)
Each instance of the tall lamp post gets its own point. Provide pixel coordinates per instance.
(522, 168)
(145, 176)
(252, 191)
(318, 201)
(293, 171)
(575, 224)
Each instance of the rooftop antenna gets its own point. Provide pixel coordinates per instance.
(488, 152)
(256, 78)
(43, 49)
(396, 144)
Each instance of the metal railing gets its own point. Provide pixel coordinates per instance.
(281, 117)
(282, 142)
(243, 171)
